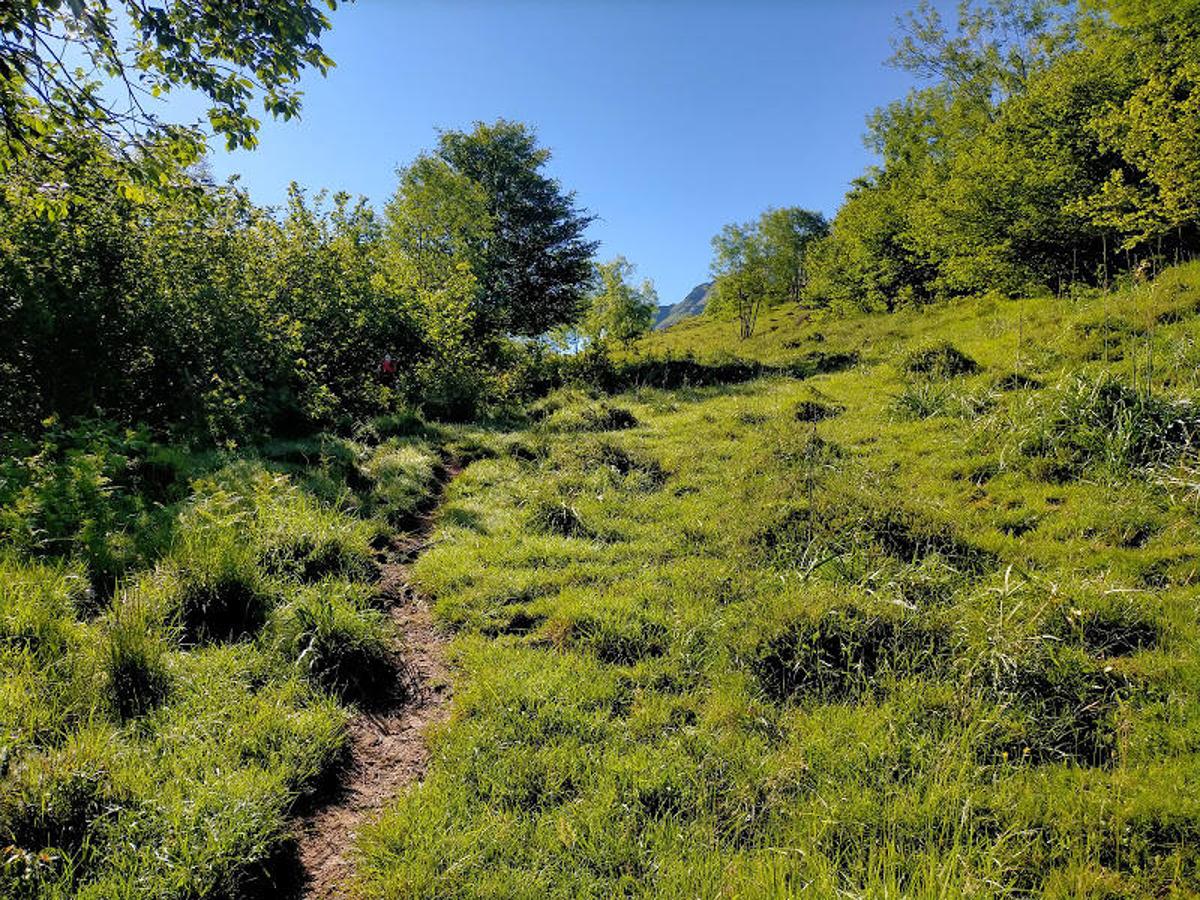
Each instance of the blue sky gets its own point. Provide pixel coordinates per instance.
(668, 118)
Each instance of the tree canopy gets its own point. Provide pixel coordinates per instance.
(97, 67)
(535, 266)
(764, 262)
(1051, 144)
(617, 308)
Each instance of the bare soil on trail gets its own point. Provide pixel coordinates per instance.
(387, 743)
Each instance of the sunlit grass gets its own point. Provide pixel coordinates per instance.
(839, 643)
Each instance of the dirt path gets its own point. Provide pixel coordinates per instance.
(387, 744)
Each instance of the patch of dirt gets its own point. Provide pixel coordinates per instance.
(387, 743)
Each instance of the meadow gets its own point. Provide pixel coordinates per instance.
(924, 626)
(868, 606)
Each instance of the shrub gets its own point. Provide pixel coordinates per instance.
(939, 360)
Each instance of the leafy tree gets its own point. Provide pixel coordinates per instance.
(618, 309)
(1050, 136)
(535, 267)
(785, 235)
(762, 262)
(1154, 190)
(437, 220)
(740, 273)
(64, 69)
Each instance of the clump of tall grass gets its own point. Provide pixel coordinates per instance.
(625, 466)
(921, 400)
(924, 399)
(845, 650)
(570, 411)
(547, 515)
(403, 475)
(217, 589)
(51, 799)
(331, 633)
(816, 410)
(938, 360)
(1101, 422)
(134, 656)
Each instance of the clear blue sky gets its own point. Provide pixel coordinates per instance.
(668, 118)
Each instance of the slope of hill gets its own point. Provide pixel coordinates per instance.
(921, 625)
(914, 613)
(691, 305)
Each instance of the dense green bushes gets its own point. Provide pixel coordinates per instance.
(1053, 144)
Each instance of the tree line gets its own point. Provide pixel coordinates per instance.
(193, 308)
(134, 287)
(1050, 144)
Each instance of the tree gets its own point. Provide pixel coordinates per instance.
(64, 69)
(785, 235)
(437, 220)
(618, 309)
(763, 262)
(536, 265)
(740, 275)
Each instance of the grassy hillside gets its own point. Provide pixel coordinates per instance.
(925, 625)
(894, 605)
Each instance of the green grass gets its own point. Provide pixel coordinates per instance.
(164, 708)
(881, 606)
(804, 636)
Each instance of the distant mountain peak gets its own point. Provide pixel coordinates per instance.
(691, 305)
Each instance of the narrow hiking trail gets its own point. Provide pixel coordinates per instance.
(387, 743)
